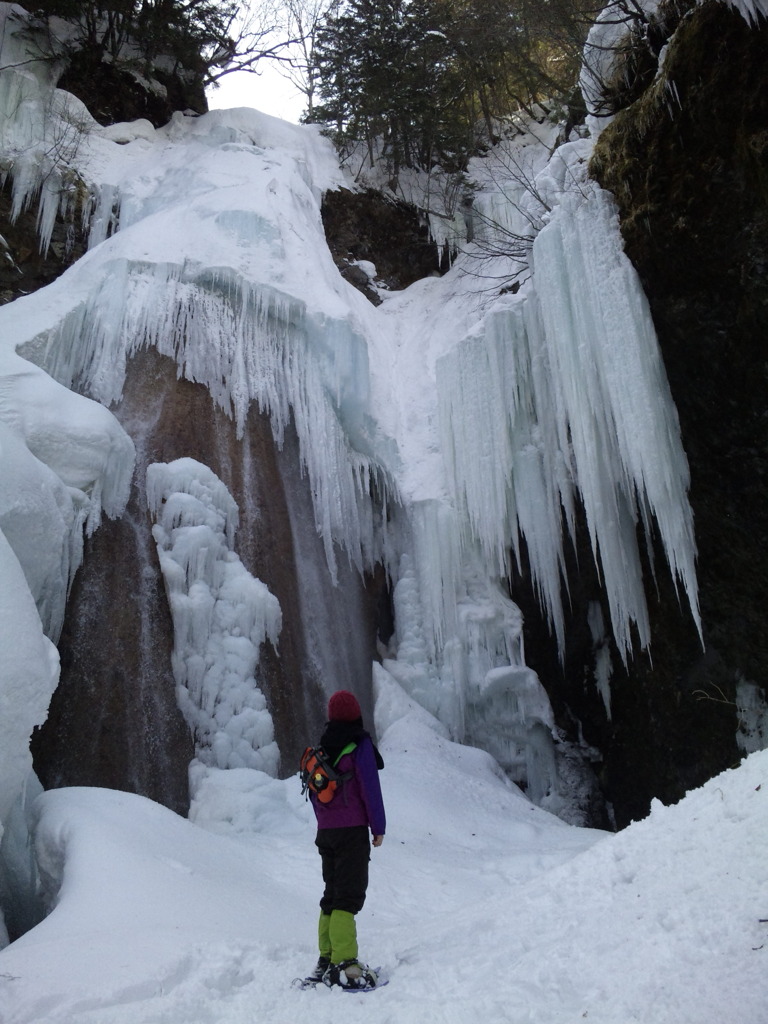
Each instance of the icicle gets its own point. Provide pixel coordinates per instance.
(615, 398)
(750, 10)
(561, 393)
(247, 344)
(506, 473)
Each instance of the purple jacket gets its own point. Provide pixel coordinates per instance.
(358, 801)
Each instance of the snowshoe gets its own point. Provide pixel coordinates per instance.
(316, 976)
(351, 975)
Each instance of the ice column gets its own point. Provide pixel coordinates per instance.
(613, 398)
(29, 674)
(221, 616)
(476, 684)
(560, 395)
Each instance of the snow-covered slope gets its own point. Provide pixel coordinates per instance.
(482, 907)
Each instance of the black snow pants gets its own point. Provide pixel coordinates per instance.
(345, 854)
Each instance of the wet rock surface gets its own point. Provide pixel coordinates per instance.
(113, 719)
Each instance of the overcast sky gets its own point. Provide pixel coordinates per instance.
(268, 92)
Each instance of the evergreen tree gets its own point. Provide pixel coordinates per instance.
(205, 37)
(433, 78)
(388, 72)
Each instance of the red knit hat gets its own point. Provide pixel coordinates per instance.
(343, 707)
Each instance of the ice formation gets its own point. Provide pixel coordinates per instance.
(604, 49)
(221, 617)
(436, 430)
(255, 314)
(28, 677)
(750, 10)
(64, 460)
(608, 43)
(602, 652)
(560, 395)
(752, 733)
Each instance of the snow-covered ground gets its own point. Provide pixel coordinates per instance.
(482, 908)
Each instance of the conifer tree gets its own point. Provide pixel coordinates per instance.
(432, 79)
(388, 72)
(206, 37)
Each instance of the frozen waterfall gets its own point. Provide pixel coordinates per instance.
(437, 433)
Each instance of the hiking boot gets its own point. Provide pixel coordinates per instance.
(350, 974)
(321, 967)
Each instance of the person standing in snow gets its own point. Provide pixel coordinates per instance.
(342, 840)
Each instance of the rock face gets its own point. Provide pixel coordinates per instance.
(688, 165)
(367, 226)
(113, 95)
(23, 268)
(113, 719)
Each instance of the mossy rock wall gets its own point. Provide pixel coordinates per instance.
(688, 165)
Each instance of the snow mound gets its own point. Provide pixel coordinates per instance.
(482, 907)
